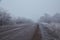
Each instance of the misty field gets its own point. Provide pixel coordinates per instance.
(51, 31)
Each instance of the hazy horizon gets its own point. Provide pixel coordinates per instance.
(31, 9)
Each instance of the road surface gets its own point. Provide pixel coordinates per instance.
(17, 32)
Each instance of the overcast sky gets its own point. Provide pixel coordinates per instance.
(31, 9)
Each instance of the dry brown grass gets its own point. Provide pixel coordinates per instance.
(37, 35)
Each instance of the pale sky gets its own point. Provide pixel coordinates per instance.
(31, 9)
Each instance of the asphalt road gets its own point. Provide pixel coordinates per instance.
(17, 32)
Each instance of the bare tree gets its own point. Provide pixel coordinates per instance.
(20, 20)
(46, 18)
(56, 18)
(5, 18)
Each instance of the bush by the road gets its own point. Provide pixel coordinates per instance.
(53, 31)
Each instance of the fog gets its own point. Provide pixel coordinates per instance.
(31, 9)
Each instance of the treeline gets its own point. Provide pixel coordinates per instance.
(50, 19)
(7, 19)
